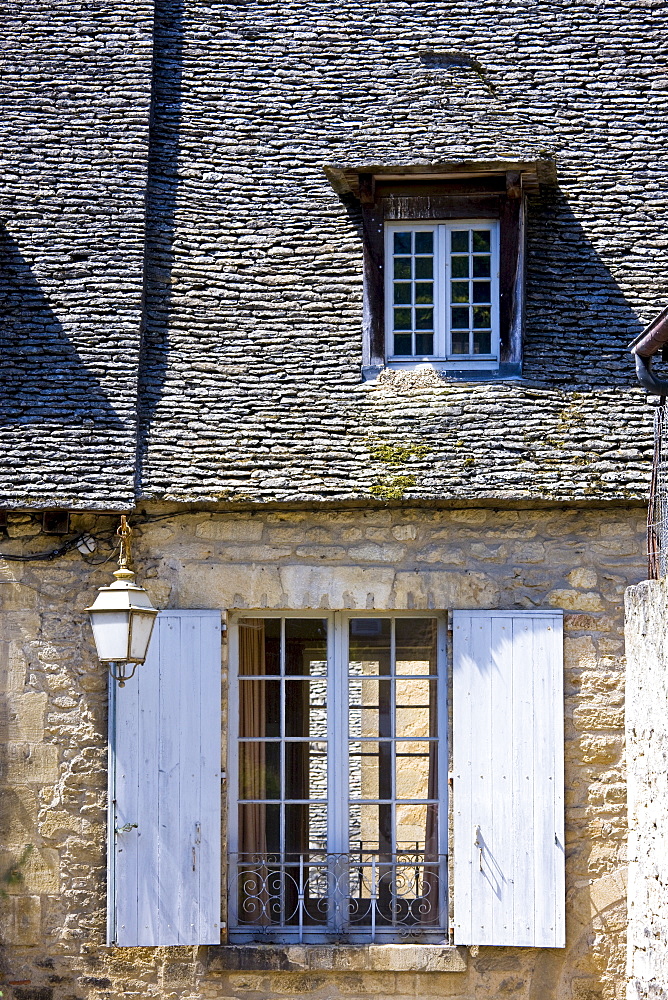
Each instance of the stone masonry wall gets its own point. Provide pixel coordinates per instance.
(647, 757)
(73, 169)
(53, 726)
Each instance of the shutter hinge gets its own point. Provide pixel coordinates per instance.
(126, 828)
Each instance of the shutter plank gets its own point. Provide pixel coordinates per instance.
(189, 782)
(163, 780)
(502, 813)
(170, 885)
(508, 761)
(519, 663)
(559, 778)
(462, 815)
(146, 690)
(209, 869)
(481, 779)
(126, 752)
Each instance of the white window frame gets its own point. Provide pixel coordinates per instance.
(337, 724)
(443, 359)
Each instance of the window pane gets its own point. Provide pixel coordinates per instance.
(259, 708)
(371, 769)
(482, 317)
(459, 241)
(424, 267)
(402, 292)
(424, 319)
(460, 342)
(402, 267)
(402, 319)
(424, 343)
(482, 342)
(460, 267)
(318, 771)
(481, 267)
(370, 646)
(413, 706)
(370, 706)
(296, 830)
(482, 241)
(317, 826)
(259, 771)
(370, 827)
(413, 767)
(416, 645)
(482, 291)
(364, 771)
(304, 761)
(459, 291)
(259, 829)
(403, 344)
(402, 242)
(305, 708)
(424, 292)
(305, 646)
(460, 318)
(424, 243)
(412, 822)
(259, 646)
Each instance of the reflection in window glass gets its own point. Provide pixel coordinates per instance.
(393, 732)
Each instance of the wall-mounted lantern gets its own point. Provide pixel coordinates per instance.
(122, 617)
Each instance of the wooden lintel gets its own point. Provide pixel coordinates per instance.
(528, 175)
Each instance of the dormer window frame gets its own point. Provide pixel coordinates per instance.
(444, 193)
(444, 286)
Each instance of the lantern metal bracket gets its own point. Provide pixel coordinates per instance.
(124, 532)
(121, 676)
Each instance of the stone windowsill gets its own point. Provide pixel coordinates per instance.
(336, 958)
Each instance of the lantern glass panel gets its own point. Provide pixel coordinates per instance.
(110, 631)
(140, 635)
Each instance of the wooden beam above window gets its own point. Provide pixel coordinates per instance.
(518, 175)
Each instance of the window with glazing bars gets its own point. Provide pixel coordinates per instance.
(442, 291)
(337, 822)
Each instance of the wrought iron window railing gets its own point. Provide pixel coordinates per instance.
(358, 897)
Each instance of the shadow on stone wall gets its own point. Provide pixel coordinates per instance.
(162, 186)
(42, 377)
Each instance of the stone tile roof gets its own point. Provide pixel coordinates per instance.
(250, 379)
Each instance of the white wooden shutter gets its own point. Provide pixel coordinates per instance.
(165, 795)
(508, 778)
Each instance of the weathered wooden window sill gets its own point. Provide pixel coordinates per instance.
(336, 958)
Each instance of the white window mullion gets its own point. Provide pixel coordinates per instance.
(338, 738)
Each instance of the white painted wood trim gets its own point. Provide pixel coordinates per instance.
(508, 778)
(166, 739)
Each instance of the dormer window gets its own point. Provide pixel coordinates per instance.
(444, 263)
(442, 293)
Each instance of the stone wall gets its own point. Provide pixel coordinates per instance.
(647, 757)
(53, 727)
